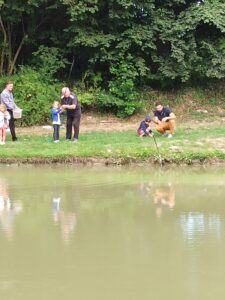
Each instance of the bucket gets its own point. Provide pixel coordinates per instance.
(17, 113)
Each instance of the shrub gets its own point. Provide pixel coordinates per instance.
(48, 61)
(34, 95)
(87, 99)
(122, 99)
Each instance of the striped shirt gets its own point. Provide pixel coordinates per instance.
(7, 99)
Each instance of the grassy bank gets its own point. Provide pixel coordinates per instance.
(189, 145)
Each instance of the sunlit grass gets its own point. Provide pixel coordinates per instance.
(187, 144)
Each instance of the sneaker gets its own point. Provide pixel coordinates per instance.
(75, 140)
(165, 134)
(170, 136)
(56, 141)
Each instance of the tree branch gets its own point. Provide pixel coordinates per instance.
(4, 45)
(16, 55)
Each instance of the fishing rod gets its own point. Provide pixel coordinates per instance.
(159, 155)
(155, 143)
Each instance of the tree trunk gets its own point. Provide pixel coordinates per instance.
(3, 52)
(9, 48)
(13, 62)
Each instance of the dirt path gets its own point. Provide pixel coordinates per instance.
(88, 123)
(99, 123)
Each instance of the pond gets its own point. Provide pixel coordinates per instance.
(72, 232)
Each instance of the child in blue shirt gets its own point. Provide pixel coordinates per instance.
(56, 120)
(144, 129)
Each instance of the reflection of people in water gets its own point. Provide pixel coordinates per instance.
(145, 190)
(66, 219)
(8, 210)
(164, 196)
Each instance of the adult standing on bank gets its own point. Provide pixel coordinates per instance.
(164, 119)
(8, 100)
(70, 102)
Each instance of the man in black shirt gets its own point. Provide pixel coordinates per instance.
(164, 119)
(70, 102)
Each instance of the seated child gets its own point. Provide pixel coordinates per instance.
(144, 129)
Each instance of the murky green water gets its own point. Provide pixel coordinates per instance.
(103, 233)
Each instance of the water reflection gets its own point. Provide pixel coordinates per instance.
(8, 210)
(66, 220)
(196, 225)
(124, 232)
(163, 196)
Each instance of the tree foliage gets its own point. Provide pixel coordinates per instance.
(34, 94)
(164, 40)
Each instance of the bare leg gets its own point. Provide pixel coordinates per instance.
(4, 135)
(1, 135)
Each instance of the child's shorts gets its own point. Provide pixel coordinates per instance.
(141, 132)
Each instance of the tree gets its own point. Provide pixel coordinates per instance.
(164, 40)
(25, 23)
(195, 42)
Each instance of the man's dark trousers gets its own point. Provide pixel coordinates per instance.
(73, 121)
(12, 125)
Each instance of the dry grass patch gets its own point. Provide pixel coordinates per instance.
(217, 143)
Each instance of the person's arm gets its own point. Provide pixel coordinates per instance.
(56, 111)
(171, 117)
(7, 101)
(7, 117)
(156, 120)
(1, 117)
(61, 107)
(71, 106)
(150, 133)
(67, 106)
(146, 129)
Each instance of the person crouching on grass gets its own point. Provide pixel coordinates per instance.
(164, 119)
(56, 120)
(144, 129)
(4, 123)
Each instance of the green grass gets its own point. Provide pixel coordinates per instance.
(187, 145)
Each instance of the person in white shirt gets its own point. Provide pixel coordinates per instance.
(8, 100)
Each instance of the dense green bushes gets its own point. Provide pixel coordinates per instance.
(35, 90)
(34, 94)
(166, 42)
(114, 48)
(122, 98)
